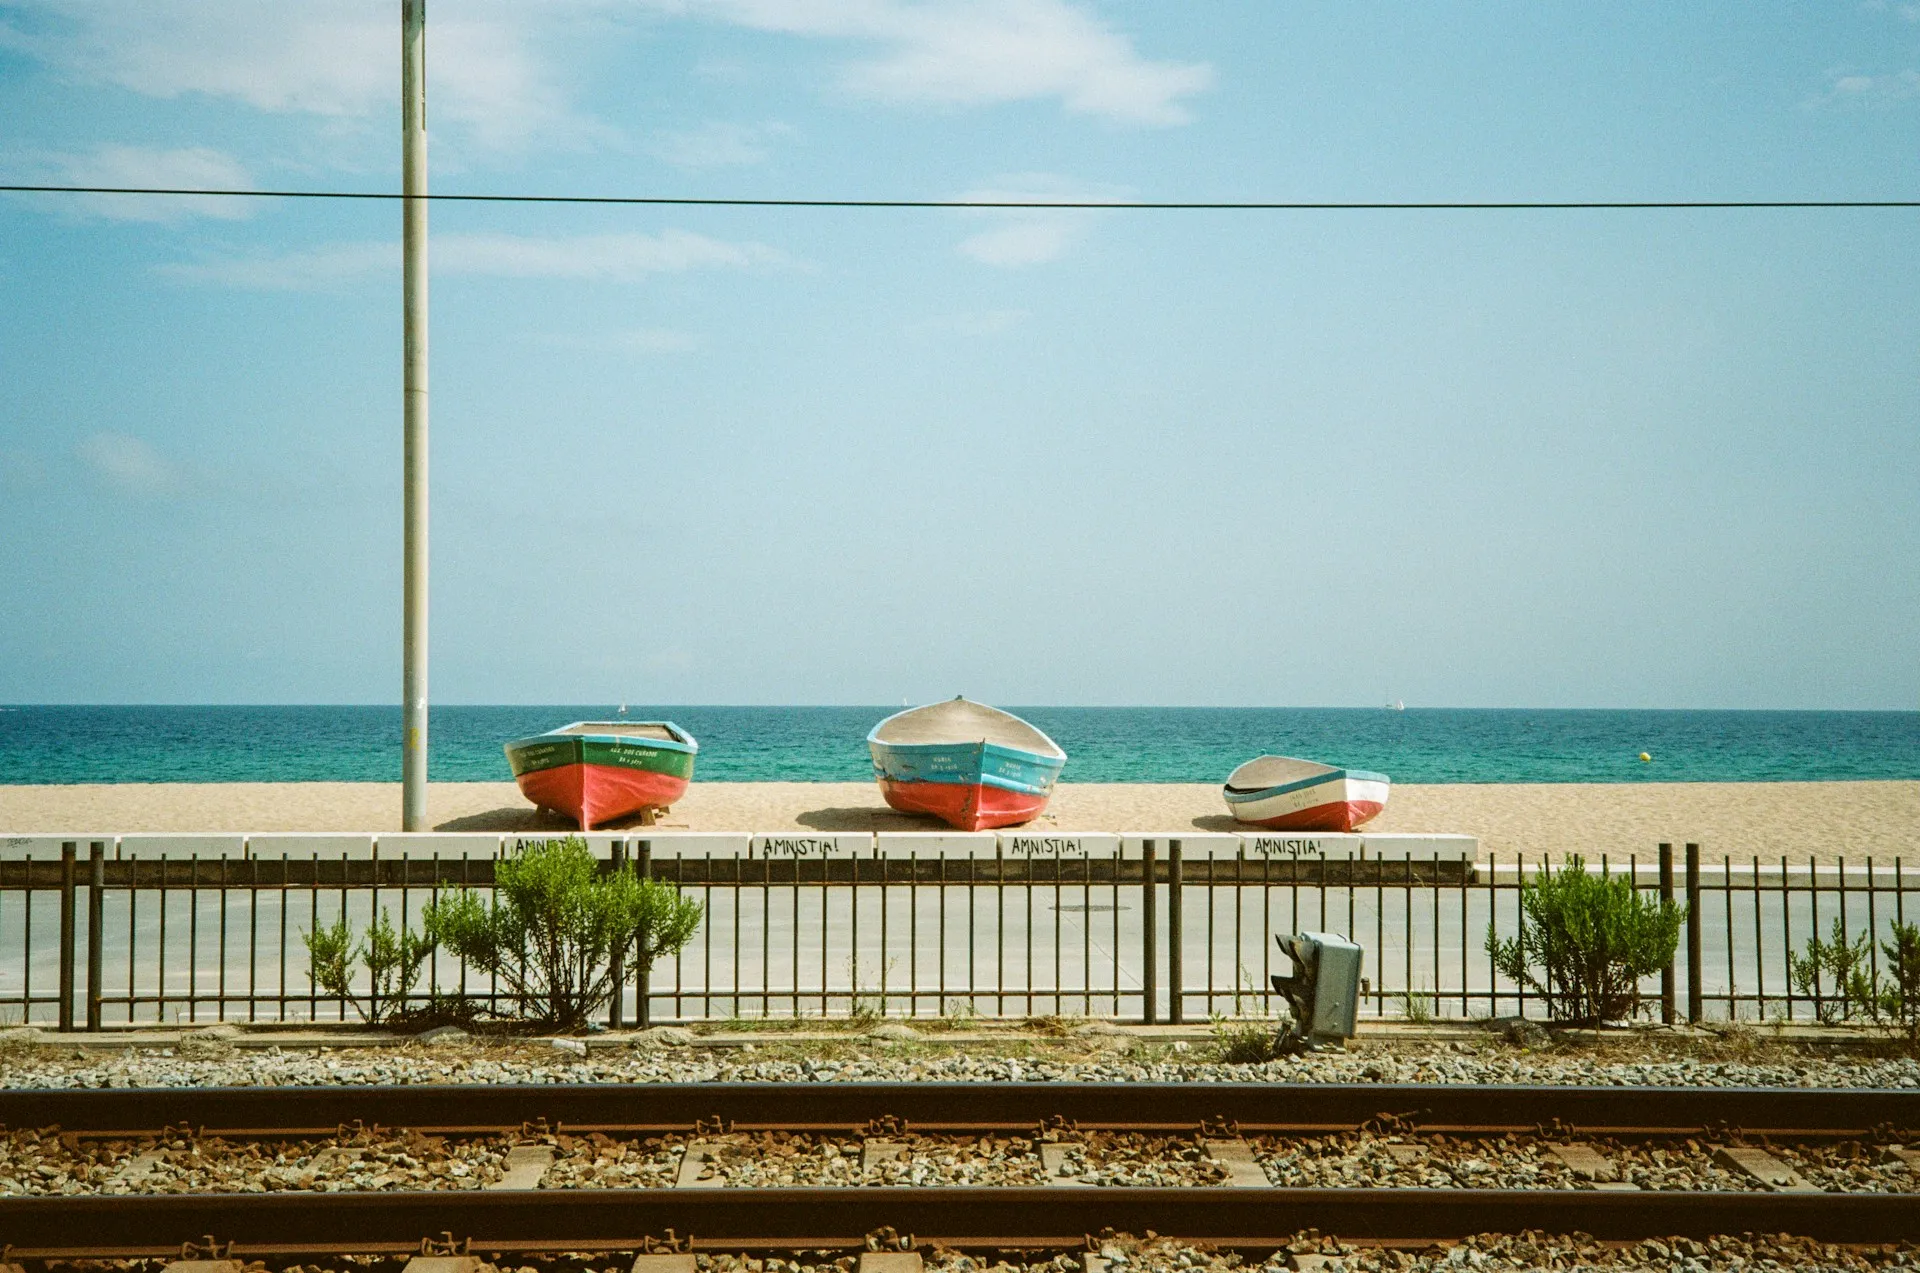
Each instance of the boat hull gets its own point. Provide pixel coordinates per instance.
(971, 786)
(1339, 801)
(968, 806)
(595, 780)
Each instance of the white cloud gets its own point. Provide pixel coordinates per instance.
(488, 74)
(315, 269)
(1869, 90)
(128, 464)
(716, 144)
(109, 165)
(597, 257)
(1032, 236)
(594, 256)
(975, 52)
(1032, 242)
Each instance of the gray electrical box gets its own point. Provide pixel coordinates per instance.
(1324, 990)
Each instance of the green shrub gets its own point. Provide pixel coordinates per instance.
(1418, 1006)
(1837, 974)
(330, 958)
(393, 959)
(1901, 1000)
(551, 929)
(1585, 942)
(1246, 1042)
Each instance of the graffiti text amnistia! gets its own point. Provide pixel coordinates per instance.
(1044, 846)
(795, 846)
(1275, 846)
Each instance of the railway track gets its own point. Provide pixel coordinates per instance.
(1795, 1161)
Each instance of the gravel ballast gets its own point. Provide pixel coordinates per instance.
(217, 1062)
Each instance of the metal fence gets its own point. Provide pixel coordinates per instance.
(91, 939)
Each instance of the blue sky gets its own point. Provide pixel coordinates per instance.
(773, 456)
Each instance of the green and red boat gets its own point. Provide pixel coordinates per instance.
(600, 771)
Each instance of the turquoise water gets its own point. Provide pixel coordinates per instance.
(68, 744)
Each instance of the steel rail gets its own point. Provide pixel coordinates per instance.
(132, 1226)
(1173, 1108)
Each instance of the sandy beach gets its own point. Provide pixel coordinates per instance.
(1739, 820)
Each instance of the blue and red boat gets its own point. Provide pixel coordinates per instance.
(971, 765)
(598, 771)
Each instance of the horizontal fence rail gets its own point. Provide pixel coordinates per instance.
(104, 933)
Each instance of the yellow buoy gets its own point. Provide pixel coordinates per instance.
(1645, 757)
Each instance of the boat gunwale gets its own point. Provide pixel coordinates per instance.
(681, 741)
(1058, 754)
(1244, 795)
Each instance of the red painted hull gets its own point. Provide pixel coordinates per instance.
(594, 794)
(1341, 815)
(968, 806)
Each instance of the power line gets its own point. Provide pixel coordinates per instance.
(1116, 205)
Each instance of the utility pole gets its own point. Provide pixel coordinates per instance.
(413, 639)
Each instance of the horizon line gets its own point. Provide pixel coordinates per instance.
(1116, 707)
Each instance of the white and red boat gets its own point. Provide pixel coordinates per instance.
(1288, 794)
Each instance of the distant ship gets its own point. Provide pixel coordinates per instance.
(1397, 705)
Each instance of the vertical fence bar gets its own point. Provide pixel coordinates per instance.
(1406, 976)
(220, 1004)
(1520, 922)
(1666, 899)
(1786, 933)
(193, 937)
(160, 957)
(1149, 935)
(96, 920)
(1695, 928)
(26, 941)
(253, 934)
(643, 973)
(1176, 933)
(618, 973)
(766, 940)
(1113, 916)
(1759, 946)
(1086, 934)
(67, 872)
(1726, 900)
(282, 917)
(133, 929)
(1873, 962)
(794, 897)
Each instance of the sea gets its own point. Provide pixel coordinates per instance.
(92, 744)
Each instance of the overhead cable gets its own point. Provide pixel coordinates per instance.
(1113, 205)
